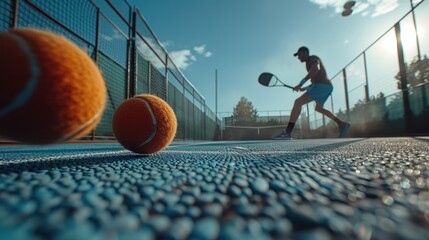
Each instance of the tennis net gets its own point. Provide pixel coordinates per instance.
(256, 132)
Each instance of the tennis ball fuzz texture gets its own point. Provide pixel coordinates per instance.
(144, 124)
(50, 90)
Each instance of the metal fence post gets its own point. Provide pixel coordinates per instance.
(132, 59)
(415, 29)
(404, 81)
(366, 78)
(96, 49)
(184, 112)
(193, 114)
(365, 106)
(166, 78)
(149, 77)
(346, 94)
(203, 127)
(15, 14)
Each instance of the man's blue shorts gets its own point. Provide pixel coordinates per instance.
(320, 92)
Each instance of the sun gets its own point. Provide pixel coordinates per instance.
(408, 39)
(408, 36)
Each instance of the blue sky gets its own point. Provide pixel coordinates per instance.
(242, 38)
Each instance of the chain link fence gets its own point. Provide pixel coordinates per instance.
(384, 91)
(129, 55)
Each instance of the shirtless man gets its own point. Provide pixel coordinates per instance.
(319, 91)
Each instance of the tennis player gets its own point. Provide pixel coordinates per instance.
(319, 91)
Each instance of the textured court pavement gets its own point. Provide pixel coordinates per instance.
(300, 189)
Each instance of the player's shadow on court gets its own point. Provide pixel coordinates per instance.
(332, 146)
(426, 140)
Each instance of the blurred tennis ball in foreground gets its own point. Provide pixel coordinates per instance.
(50, 90)
(144, 124)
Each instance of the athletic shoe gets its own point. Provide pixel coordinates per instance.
(344, 129)
(282, 136)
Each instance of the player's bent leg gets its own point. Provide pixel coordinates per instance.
(344, 126)
(319, 108)
(296, 110)
(299, 102)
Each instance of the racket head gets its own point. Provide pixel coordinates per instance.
(270, 80)
(266, 79)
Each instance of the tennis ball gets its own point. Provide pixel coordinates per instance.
(144, 124)
(50, 90)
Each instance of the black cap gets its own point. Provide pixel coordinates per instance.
(300, 50)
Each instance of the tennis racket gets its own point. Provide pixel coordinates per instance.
(270, 80)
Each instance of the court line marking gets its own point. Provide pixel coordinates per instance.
(250, 152)
(61, 157)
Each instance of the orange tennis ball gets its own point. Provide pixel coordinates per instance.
(50, 90)
(144, 124)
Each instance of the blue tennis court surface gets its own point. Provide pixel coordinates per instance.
(374, 188)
